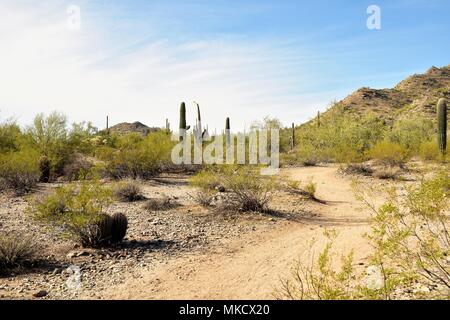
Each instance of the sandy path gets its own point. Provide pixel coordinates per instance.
(251, 267)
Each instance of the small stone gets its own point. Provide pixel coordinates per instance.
(40, 294)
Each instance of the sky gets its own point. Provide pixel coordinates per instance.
(243, 59)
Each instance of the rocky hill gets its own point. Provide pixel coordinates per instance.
(138, 127)
(416, 95)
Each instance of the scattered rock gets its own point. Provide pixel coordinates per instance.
(40, 294)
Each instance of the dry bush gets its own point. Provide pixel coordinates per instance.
(357, 169)
(16, 250)
(247, 189)
(160, 204)
(77, 168)
(204, 197)
(388, 173)
(128, 191)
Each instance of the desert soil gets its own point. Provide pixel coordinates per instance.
(193, 253)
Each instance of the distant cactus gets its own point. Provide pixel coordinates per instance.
(293, 136)
(227, 131)
(167, 126)
(44, 167)
(182, 121)
(318, 119)
(198, 112)
(442, 125)
(119, 227)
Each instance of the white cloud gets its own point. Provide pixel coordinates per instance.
(87, 75)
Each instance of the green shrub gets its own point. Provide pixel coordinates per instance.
(341, 137)
(10, 137)
(410, 132)
(139, 157)
(15, 250)
(78, 209)
(49, 136)
(429, 150)
(388, 153)
(19, 171)
(207, 179)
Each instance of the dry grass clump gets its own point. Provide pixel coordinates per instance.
(160, 204)
(15, 251)
(357, 169)
(203, 197)
(128, 191)
(388, 173)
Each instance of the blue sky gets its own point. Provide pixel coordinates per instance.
(137, 60)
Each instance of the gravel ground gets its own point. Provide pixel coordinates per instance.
(153, 238)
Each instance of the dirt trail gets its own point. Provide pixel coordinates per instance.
(251, 267)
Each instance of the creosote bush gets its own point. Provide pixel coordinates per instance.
(19, 171)
(388, 153)
(136, 157)
(78, 209)
(128, 191)
(246, 189)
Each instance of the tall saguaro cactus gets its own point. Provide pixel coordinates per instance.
(182, 121)
(228, 131)
(442, 125)
(318, 119)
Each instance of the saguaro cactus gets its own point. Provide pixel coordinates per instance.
(293, 136)
(182, 121)
(167, 126)
(442, 125)
(228, 131)
(318, 119)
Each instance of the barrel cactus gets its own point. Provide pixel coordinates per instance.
(119, 227)
(442, 125)
(98, 232)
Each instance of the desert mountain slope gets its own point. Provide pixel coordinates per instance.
(416, 95)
